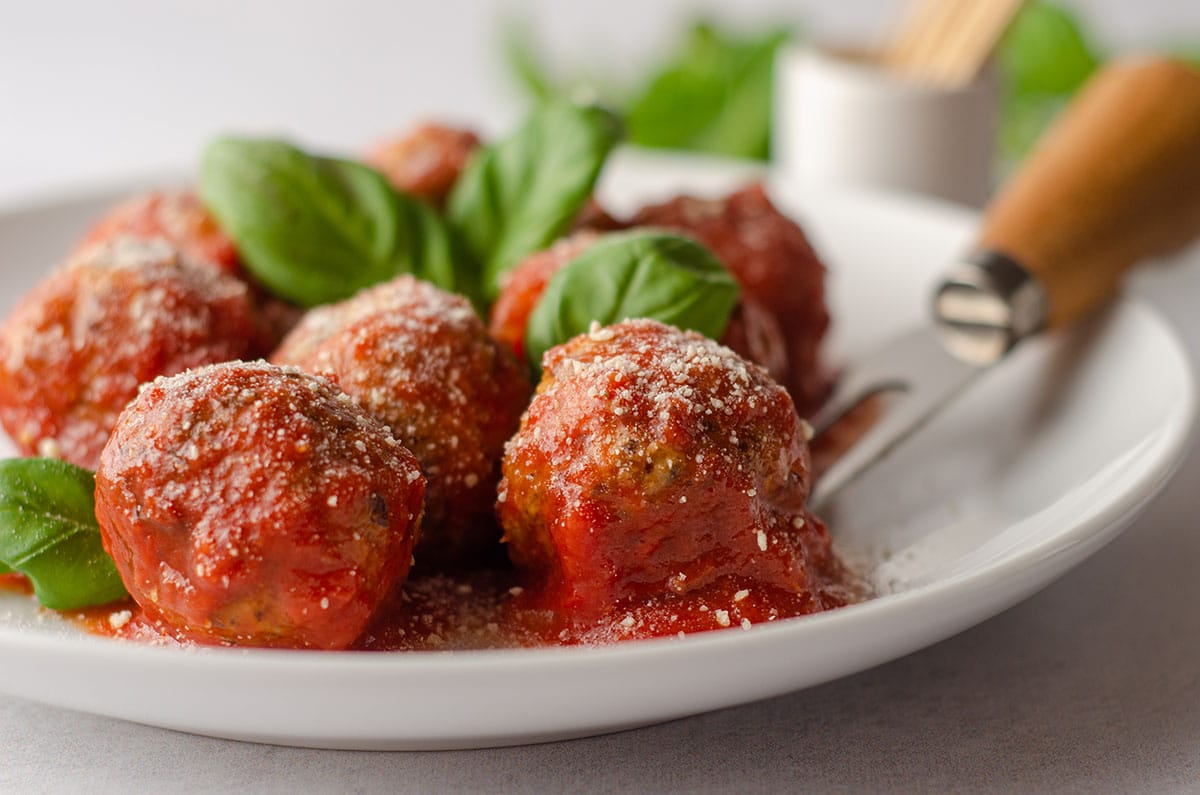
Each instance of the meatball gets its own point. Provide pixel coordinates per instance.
(420, 360)
(656, 482)
(176, 216)
(776, 267)
(425, 162)
(594, 218)
(752, 331)
(523, 286)
(75, 349)
(252, 504)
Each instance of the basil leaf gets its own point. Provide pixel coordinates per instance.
(712, 93)
(643, 273)
(317, 229)
(524, 61)
(1045, 56)
(442, 259)
(1191, 54)
(48, 532)
(713, 96)
(520, 194)
(530, 71)
(1046, 50)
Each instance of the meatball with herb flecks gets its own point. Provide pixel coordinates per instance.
(75, 349)
(250, 504)
(420, 360)
(655, 478)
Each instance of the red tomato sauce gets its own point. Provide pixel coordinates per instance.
(489, 609)
(17, 583)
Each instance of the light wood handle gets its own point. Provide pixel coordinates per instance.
(1116, 180)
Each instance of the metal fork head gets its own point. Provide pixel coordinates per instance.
(985, 306)
(921, 375)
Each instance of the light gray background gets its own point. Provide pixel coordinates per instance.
(1092, 685)
(99, 89)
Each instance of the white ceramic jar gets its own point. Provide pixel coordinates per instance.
(841, 119)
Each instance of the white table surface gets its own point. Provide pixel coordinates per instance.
(1091, 685)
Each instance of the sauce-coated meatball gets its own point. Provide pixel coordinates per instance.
(420, 360)
(776, 267)
(179, 218)
(522, 288)
(426, 161)
(175, 216)
(658, 484)
(76, 348)
(252, 504)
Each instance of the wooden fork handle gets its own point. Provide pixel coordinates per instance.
(1116, 180)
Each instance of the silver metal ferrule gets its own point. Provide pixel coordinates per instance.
(986, 305)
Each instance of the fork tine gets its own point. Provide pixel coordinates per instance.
(916, 364)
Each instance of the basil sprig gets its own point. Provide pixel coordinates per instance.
(638, 274)
(318, 229)
(48, 532)
(520, 194)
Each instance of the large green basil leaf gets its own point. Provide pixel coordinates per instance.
(48, 532)
(520, 194)
(638, 274)
(317, 229)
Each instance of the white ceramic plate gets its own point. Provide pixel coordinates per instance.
(1039, 465)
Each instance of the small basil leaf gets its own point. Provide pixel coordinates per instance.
(714, 95)
(1044, 57)
(1046, 50)
(438, 256)
(529, 69)
(317, 229)
(638, 274)
(48, 532)
(525, 62)
(520, 194)
(1189, 53)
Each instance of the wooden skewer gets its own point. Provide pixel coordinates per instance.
(931, 25)
(946, 42)
(941, 66)
(918, 20)
(966, 53)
